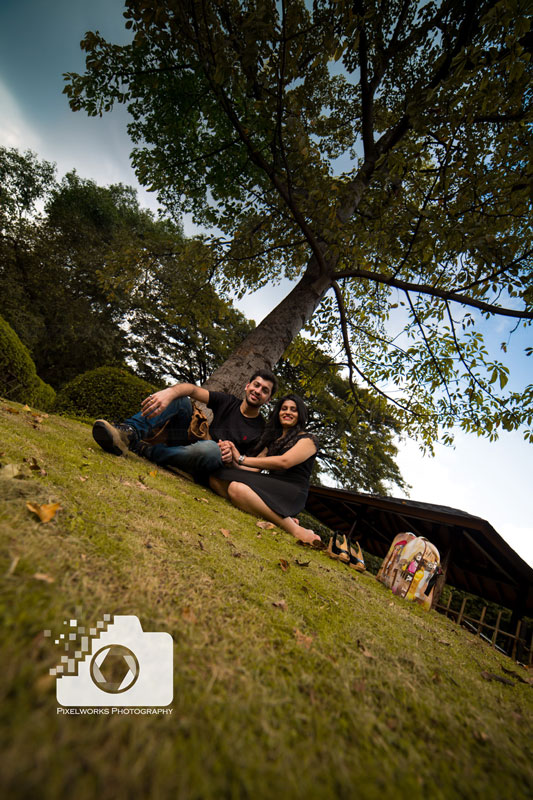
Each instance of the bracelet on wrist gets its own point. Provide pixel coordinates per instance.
(240, 460)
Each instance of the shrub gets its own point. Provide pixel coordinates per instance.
(43, 395)
(108, 392)
(18, 378)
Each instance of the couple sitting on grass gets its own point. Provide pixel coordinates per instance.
(240, 449)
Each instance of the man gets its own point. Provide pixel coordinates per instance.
(234, 420)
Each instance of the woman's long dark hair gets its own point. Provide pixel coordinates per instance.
(273, 429)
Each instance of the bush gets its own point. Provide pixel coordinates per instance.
(43, 395)
(108, 392)
(18, 378)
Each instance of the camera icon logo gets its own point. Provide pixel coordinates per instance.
(114, 668)
(118, 665)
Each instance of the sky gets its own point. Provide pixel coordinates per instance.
(38, 43)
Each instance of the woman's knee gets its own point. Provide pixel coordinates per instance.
(237, 491)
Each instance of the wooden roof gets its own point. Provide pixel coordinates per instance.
(479, 561)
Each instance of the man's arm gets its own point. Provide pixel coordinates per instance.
(154, 404)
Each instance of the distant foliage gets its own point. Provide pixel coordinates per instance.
(18, 378)
(107, 392)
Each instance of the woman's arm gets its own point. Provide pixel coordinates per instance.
(227, 446)
(303, 449)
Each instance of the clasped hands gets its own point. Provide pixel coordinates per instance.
(228, 451)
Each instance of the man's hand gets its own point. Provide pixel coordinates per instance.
(226, 451)
(154, 404)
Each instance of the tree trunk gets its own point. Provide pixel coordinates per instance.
(265, 345)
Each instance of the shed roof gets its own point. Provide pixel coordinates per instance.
(480, 561)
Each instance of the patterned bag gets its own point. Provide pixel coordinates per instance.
(411, 568)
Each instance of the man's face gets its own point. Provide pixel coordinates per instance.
(258, 392)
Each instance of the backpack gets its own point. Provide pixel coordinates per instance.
(410, 568)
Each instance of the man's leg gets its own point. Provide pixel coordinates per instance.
(119, 438)
(198, 459)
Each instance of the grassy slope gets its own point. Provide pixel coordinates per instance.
(340, 690)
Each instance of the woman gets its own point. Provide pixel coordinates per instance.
(288, 453)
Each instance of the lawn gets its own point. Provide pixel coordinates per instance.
(294, 676)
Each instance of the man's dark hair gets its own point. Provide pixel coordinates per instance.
(267, 376)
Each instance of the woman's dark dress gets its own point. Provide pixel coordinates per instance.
(283, 490)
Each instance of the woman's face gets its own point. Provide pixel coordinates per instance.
(288, 414)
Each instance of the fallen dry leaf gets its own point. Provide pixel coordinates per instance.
(40, 576)
(262, 523)
(363, 649)
(490, 676)
(481, 736)
(280, 604)
(11, 410)
(516, 675)
(39, 415)
(285, 566)
(83, 478)
(153, 473)
(201, 499)
(301, 563)
(34, 466)
(225, 532)
(45, 512)
(188, 615)
(301, 638)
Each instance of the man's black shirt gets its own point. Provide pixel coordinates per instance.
(229, 422)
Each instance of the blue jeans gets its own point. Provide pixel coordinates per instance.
(199, 458)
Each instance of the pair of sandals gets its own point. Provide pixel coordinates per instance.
(343, 549)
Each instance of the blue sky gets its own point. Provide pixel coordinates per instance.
(38, 42)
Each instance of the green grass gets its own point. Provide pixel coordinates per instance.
(309, 682)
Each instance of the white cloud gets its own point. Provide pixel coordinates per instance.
(15, 130)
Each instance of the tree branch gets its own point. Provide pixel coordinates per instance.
(432, 291)
(430, 351)
(352, 367)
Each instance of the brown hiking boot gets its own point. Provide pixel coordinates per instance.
(116, 439)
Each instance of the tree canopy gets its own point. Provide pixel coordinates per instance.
(377, 152)
(88, 278)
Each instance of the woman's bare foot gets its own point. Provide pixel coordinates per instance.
(307, 536)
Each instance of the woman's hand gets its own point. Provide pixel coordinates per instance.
(234, 454)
